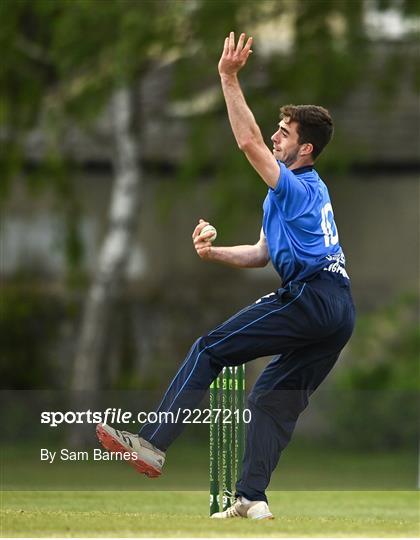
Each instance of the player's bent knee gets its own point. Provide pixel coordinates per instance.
(209, 351)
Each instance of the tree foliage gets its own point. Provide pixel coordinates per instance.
(72, 54)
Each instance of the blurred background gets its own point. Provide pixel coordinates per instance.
(115, 141)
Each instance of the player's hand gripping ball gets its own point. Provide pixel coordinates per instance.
(207, 229)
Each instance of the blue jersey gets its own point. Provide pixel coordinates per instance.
(298, 223)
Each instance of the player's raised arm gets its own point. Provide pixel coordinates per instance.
(245, 128)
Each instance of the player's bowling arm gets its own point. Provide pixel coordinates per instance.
(245, 256)
(238, 256)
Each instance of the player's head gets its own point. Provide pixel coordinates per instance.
(304, 131)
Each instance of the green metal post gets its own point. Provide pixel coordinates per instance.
(240, 431)
(227, 437)
(214, 448)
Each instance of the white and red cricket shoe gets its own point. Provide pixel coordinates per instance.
(145, 458)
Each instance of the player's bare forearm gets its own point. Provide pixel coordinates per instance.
(239, 256)
(247, 256)
(242, 121)
(245, 129)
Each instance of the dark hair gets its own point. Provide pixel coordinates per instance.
(314, 125)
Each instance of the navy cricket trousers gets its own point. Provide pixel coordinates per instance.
(306, 325)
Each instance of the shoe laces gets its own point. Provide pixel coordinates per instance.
(233, 511)
(128, 434)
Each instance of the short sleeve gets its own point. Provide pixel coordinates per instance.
(291, 192)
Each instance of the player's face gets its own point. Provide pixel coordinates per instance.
(285, 142)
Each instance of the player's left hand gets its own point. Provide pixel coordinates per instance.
(234, 58)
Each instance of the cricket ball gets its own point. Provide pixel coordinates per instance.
(208, 228)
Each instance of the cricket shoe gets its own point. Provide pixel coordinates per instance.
(145, 458)
(243, 508)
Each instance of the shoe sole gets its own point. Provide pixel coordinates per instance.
(256, 519)
(113, 445)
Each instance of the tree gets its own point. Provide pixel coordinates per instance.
(83, 68)
(115, 250)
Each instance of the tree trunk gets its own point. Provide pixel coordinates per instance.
(115, 250)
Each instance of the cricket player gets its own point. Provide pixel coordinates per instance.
(304, 324)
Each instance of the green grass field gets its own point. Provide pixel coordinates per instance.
(184, 514)
(342, 494)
